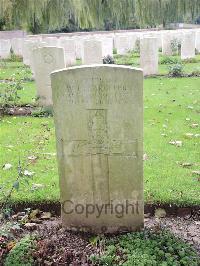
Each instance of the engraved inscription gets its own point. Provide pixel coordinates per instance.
(113, 147)
(97, 129)
(99, 95)
(77, 147)
(48, 58)
(98, 141)
(116, 146)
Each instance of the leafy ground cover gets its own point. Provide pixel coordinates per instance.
(26, 94)
(146, 249)
(171, 115)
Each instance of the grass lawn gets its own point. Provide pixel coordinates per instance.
(23, 137)
(9, 70)
(171, 106)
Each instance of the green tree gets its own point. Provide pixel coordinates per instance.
(54, 15)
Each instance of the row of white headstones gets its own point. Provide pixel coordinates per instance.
(123, 42)
(46, 54)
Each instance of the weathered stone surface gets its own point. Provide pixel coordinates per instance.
(188, 45)
(122, 44)
(98, 114)
(92, 52)
(132, 38)
(10, 34)
(51, 41)
(17, 46)
(5, 46)
(79, 47)
(69, 49)
(46, 60)
(149, 55)
(197, 41)
(28, 47)
(107, 46)
(166, 43)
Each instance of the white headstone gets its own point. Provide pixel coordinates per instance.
(197, 41)
(79, 47)
(166, 43)
(51, 41)
(122, 44)
(188, 45)
(92, 53)
(132, 41)
(28, 47)
(70, 50)
(17, 46)
(5, 47)
(98, 114)
(46, 60)
(149, 55)
(107, 46)
(158, 35)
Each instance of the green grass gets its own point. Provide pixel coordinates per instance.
(166, 102)
(11, 64)
(22, 137)
(10, 70)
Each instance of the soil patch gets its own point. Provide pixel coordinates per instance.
(171, 210)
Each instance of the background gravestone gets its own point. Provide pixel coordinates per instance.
(107, 46)
(51, 41)
(92, 52)
(5, 46)
(45, 60)
(166, 43)
(28, 47)
(17, 46)
(69, 49)
(197, 41)
(122, 44)
(188, 45)
(149, 55)
(98, 114)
